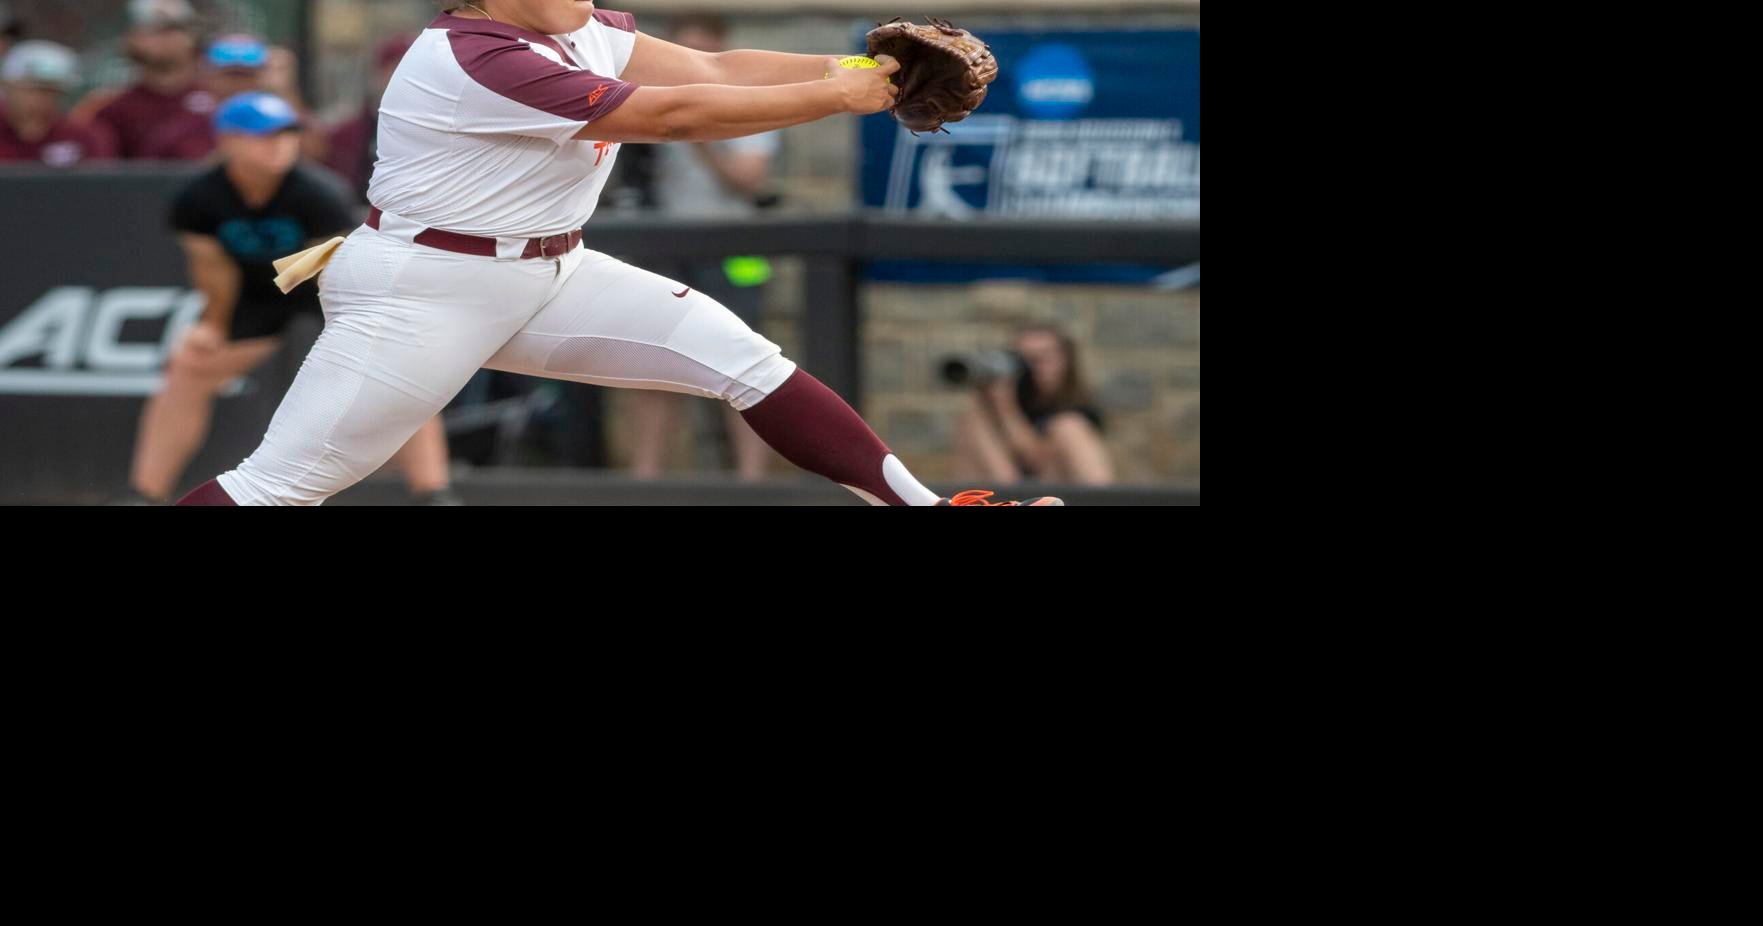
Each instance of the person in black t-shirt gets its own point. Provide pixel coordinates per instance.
(234, 221)
(1040, 424)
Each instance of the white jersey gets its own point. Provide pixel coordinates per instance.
(476, 129)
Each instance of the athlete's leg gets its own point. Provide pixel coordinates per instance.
(655, 415)
(1079, 451)
(752, 454)
(656, 420)
(423, 458)
(175, 420)
(405, 327)
(618, 325)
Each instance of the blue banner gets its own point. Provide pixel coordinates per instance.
(1098, 124)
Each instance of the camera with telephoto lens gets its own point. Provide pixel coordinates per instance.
(977, 368)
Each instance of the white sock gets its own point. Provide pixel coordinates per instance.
(901, 481)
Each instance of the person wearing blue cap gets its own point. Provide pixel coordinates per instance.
(236, 64)
(233, 221)
(243, 63)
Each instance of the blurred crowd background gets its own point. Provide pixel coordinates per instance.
(956, 363)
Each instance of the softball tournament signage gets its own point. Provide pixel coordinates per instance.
(1098, 124)
(93, 294)
(70, 340)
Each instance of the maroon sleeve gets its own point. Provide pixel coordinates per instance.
(513, 69)
(347, 148)
(625, 21)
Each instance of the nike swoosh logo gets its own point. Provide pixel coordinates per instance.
(682, 293)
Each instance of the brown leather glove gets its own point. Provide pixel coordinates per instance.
(944, 71)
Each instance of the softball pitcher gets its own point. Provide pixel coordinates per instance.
(497, 132)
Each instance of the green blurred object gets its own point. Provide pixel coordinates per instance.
(747, 271)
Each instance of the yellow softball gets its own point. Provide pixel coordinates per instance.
(860, 61)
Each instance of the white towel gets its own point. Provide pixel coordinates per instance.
(295, 269)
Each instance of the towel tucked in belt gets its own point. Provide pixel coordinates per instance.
(295, 269)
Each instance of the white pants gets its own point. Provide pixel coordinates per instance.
(406, 325)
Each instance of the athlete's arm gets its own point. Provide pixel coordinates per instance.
(215, 276)
(658, 63)
(711, 112)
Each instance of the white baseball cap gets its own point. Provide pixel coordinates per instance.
(41, 63)
(145, 13)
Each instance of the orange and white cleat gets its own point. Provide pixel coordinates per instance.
(978, 497)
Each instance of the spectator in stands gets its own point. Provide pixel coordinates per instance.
(34, 77)
(247, 64)
(166, 114)
(233, 221)
(353, 145)
(237, 64)
(1041, 424)
(719, 179)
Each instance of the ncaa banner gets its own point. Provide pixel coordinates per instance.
(1081, 124)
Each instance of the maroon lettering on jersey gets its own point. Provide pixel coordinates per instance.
(66, 144)
(503, 59)
(157, 126)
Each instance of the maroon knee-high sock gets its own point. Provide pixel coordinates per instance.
(815, 429)
(208, 493)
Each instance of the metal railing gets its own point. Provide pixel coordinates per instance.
(834, 249)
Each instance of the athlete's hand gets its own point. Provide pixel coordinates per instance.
(865, 90)
(1000, 395)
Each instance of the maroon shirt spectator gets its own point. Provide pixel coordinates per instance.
(65, 144)
(350, 149)
(167, 114)
(33, 77)
(352, 146)
(151, 125)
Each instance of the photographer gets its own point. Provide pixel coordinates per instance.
(1032, 416)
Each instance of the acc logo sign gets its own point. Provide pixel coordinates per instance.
(69, 342)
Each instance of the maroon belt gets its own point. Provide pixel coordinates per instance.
(554, 246)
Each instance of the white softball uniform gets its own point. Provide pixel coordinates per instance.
(477, 158)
